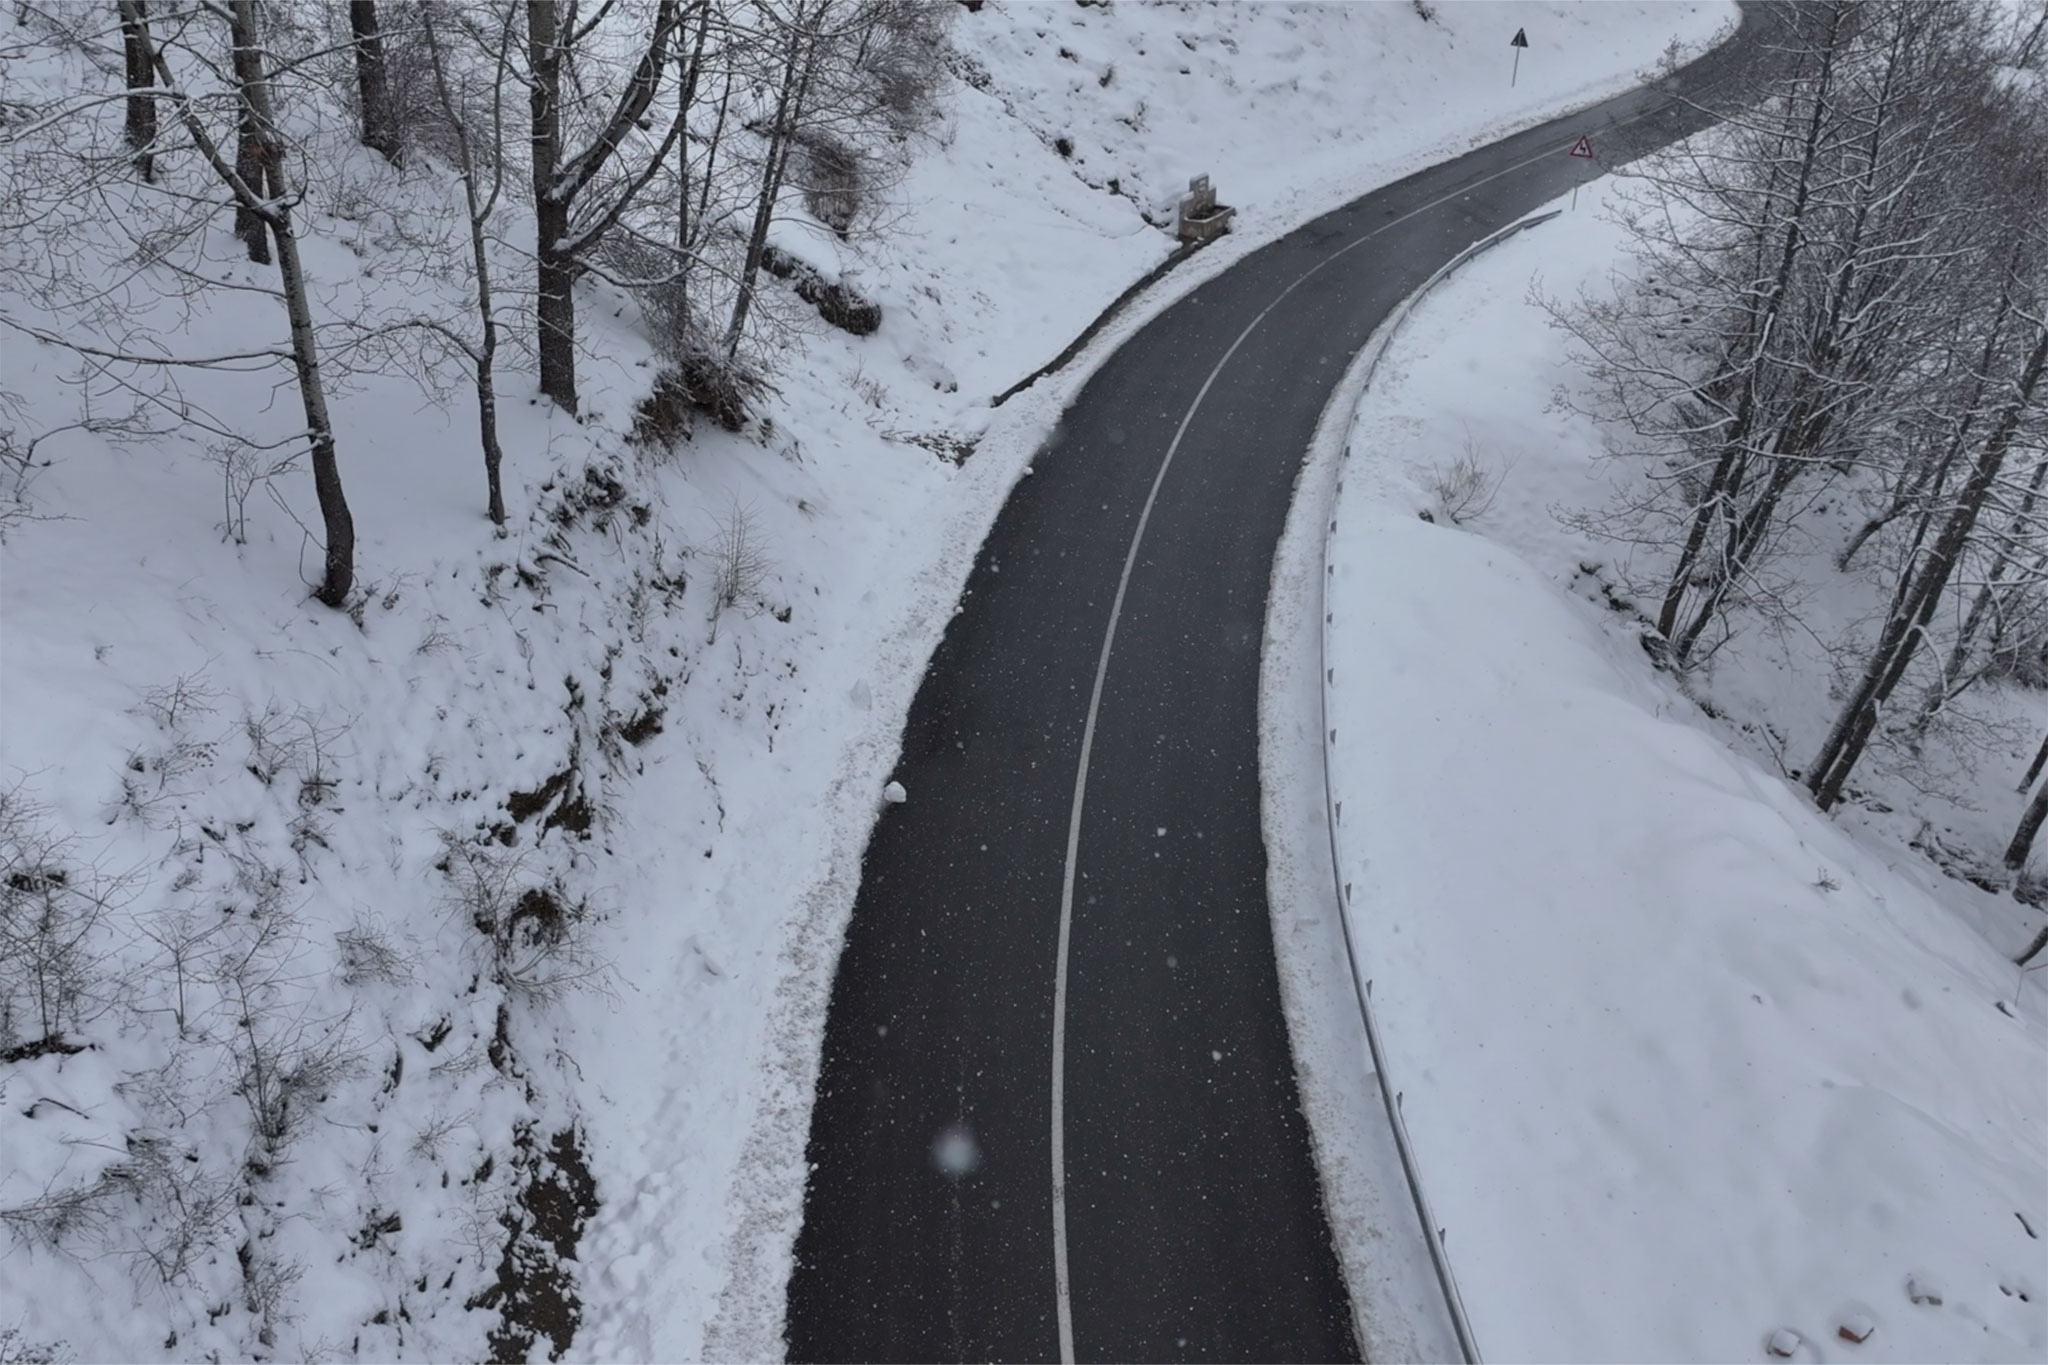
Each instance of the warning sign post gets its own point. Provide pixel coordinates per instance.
(1583, 149)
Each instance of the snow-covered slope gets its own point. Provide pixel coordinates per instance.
(1689, 1065)
(285, 824)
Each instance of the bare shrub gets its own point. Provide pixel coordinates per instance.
(182, 939)
(178, 703)
(658, 277)
(904, 61)
(1466, 490)
(244, 467)
(17, 1350)
(297, 743)
(535, 939)
(189, 1209)
(267, 1284)
(367, 955)
(435, 1132)
(70, 1219)
(52, 982)
(834, 180)
(284, 1069)
(284, 1059)
(740, 564)
(700, 380)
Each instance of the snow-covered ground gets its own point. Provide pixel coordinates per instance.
(1688, 1065)
(315, 808)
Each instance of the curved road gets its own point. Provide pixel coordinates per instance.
(1191, 1214)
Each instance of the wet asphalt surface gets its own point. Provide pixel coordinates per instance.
(1194, 1213)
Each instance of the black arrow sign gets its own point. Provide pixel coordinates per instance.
(1521, 38)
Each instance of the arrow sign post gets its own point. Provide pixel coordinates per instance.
(1518, 42)
(1582, 149)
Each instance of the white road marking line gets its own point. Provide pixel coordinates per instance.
(1062, 1286)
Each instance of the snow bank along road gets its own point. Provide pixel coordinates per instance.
(1056, 1115)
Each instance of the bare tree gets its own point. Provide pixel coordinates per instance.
(1984, 412)
(1921, 589)
(264, 201)
(797, 35)
(580, 192)
(1789, 256)
(841, 74)
(482, 184)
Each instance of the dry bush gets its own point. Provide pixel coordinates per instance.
(73, 1219)
(267, 1284)
(284, 1068)
(834, 180)
(368, 955)
(1466, 490)
(53, 979)
(189, 1208)
(702, 381)
(905, 60)
(297, 743)
(175, 705)
(17, 1350)
(739, 559)
(536, 941)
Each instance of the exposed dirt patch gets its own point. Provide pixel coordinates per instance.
(561, 797)
(535, 1293)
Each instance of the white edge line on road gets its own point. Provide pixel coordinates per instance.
(1061, 1284)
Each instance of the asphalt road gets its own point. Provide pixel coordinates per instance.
(1194, 1225)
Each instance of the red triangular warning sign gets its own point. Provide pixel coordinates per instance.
(1583, 147)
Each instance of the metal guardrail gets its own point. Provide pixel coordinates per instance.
(1382, 338)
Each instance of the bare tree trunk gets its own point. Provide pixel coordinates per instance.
(250, 161)
(693, 72)
(381, 132)
(556, 304)
(1745, 539)
(709, 178)
(559, 177)
(1946, 686)
(338, 571)
(141, 123)
(480, 205)
(273, 211)
(2034, 768)
(338, 574)
(789, 110)
(2022, 845)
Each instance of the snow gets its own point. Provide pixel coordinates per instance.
(728, 760)
(1693, 1071)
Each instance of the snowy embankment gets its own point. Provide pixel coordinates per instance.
(1688, 1066)
(300, 819)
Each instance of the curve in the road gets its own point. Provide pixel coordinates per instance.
(1056, 1114)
